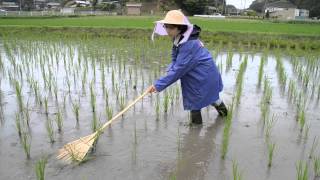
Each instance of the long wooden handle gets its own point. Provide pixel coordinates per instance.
(123, 111)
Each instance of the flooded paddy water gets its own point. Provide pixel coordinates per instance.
(56, 90)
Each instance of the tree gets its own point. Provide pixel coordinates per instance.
(192, 7)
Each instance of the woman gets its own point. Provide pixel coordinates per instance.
(200, 79)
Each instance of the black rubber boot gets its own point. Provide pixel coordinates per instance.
(196, 117)
(221, 108)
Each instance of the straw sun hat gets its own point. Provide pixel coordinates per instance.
(174, 17)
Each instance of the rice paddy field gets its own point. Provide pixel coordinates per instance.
(56, 89)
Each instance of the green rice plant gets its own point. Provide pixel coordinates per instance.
(314, 146)
(260, 74)
(109, 112)
(59, 120)
(122, 102)
(26, 144)
(266, 99)
(92, 98)
(302, 171)
(18, 89)
(27, 114)
(271, 147)
(157, 108)
(306, 79)
(282, 76)
(40, 168)
(239, 81)
(166, 101)
(103, 80)
(229, 60)
(94, 122)
(292, 90)
(117, 91)
(76, 109)
(18, 124)
(316, 166)
(269, 125)
(226, 132)
(46, 106)
(50, 131)
(112, 78)
(106, 97)
(237, 175)
(301, 119)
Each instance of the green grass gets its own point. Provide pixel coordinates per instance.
(147, 22)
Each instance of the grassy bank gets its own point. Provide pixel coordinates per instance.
(146, 22)
(244, 32)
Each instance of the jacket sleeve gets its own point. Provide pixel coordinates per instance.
(184, 63)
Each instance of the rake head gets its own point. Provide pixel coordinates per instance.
(78, 149)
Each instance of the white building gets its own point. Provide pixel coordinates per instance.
(286, 10)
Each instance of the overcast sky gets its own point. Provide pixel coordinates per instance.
(240, 4)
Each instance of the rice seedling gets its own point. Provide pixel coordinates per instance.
(237, 175)
(314, 146)
(46, 106)
(260, 74)
(109, 112)
(112, 78)
(26, 144)
(302, 171)
(18, 89)
(271, 147)
(226, 132)
(266, 99)
(94, 122)
(229, 60)
(157, 108)
(239, 80)
(269, 125)
(18, 124)
(27, 114)
(122, 102)
(76, 109)
(301, 119)
(92, 98)
(282, 76)
(59, 120)
(166, 101)
(40, 168)
(316, 166)
(50, 131)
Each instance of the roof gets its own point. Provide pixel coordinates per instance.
(281, 4)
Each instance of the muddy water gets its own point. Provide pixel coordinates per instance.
(141, 146)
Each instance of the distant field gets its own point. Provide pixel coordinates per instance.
(227, 25)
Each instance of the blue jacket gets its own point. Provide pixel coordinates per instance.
(200, 78)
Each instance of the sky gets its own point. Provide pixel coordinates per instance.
(240, 4)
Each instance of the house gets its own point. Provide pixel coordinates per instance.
(53, 5)
(133, 8)
(286, 10)
(9, 6)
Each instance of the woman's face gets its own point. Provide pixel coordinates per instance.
(172, 30)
